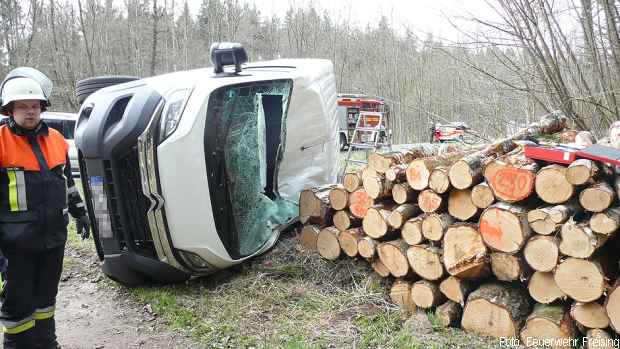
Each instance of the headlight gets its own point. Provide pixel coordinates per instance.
(171, 115)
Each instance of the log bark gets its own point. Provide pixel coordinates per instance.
(352, 181)
(375, 223)
(379, 267)
(434, 225)
(482, 195)
(344, 220)
(504, 227)
(465, 254)
(367, 247)
(308, 236)
(439, 181)
(512, 178)
(456, 289)
(419, 170)
(425, 260)
(314, 206)
(543, 289)
(549, 323)
(400, 294)
(378, 187)
(599, 339)
(542, 253)
(589, 315)
(548, 220)
(580, 279)
(449, 314)
(551, 184)
(327, 243)
(401, 214)
(606, 222)
(339, 198)
(612, 306)
(426, 294)
(460, 205)
(429, 201)
(509, 267)
(411, 231)
(597, 197)
(402, 193)
(360, 202)
(393, 255)
(397, 174)
(496, 310)
(579, 241)
(581, 171)
(349, 240)
(381, 162)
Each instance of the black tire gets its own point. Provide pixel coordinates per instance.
(86, 87)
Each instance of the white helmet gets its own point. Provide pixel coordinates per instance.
(21, 88)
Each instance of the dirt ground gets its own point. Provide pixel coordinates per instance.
(93, 313)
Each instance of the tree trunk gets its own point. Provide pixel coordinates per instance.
(542, 253)
(581, 171)
(552, 323)
(403, 193)
(400, 294)
(308, 237)
(401, 214)
(460, 205)
(378, 187)
(360, 202)
(512, 179)
(397, 174)
(425, 260)
(449, 314)
(589, 315)
(579, 241)
(314, 205)
(464, 252)
(482, 195)
(434, 225)
(429, 201)
(349, 239)
(599, 339)
(551, 184)
(393, 255)
(379, 267)
(548, 220)
(426, 294)
(509, 267)
(456, 289)
(352, 181)
(612, 306)
(496, 310)
(597, 198)
(412, 231)
(339, 197)
(504, 227)
(543, 289)
(607, 222)
(375, 223)
(439, 181)
(419, 170)
(367, 247)
(327, 243)
(580, 279)
(344, 220)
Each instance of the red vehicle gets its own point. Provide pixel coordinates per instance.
(454, 131)
(349, 108)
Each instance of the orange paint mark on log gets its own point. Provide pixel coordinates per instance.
(360, 202)
(429, 201)
(489, 231)
(512, 184)
(413, 175)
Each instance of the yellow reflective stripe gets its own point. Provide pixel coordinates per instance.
(13, 204)
(19, 329)
(43, 315)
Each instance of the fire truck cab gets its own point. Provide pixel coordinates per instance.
(350, 106)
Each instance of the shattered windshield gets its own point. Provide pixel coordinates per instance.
(244, 141)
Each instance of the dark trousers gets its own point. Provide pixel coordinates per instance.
(30, 298)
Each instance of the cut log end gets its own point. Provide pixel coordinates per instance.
(612, 307)
(435, 225)
(367, 247)
(352, 182)
(327, 243)
(456, 289)
(599, 339)
(393, 255)
(308, 237)
(482, 196)
(580, 279)
(349, 240)
(589, 315)
(400, 294)
(542, 253)
(543, 289)
(360, 202)
(429, 201)
(551, 185)
(460, 205)
(508, 267)
(439, 181)
(504, 227)
(449, 314)
(412, 231)
(460, 175)
(339, 198)
(550, 323)
(426, 294)
(597, 197)
(426, 262)
(465, 254)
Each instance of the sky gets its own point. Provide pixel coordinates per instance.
(421, 16)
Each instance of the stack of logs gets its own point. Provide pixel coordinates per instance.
(502, 245)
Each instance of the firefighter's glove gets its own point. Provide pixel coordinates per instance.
(83, 226)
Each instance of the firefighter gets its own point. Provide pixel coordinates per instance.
(36, 194)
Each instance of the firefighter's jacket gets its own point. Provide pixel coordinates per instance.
(36, 188)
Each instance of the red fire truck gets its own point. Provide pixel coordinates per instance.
(349, 108)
